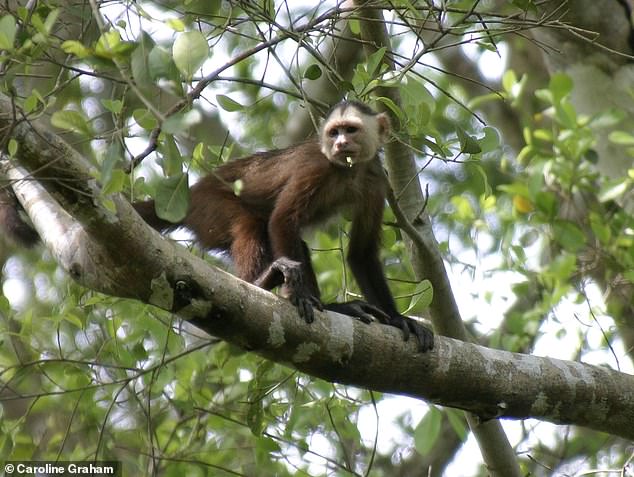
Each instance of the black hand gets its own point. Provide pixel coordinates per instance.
(360, 309)
(293, 287)
(305, 304)
(424, 335)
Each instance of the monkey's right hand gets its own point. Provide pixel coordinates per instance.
(288, 273)
(295, 290)
(305, 304)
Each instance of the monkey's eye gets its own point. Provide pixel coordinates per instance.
(351, 129)
(333, 132)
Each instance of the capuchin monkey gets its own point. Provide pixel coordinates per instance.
(285, 191)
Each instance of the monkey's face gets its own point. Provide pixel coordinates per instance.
(344, 145)
(349, 136)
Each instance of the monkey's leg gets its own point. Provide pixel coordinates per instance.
(253, 260)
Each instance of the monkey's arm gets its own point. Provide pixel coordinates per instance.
(292, 266)
(363, 257)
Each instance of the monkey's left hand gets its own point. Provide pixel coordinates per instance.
(368, 313)
(360, 309)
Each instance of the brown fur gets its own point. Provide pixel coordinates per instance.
(283, 192)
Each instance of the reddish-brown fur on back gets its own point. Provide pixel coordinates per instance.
(282, 192)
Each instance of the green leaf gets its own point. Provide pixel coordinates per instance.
(175, 24)
(72, 121)
(113, 105)
(391, 105)
(190, 50)
(422, 297)
(107, 44)
(73, 319)
(139, 62)
(145, 119)
(464, 211)
(458, 422)
(485, 180)
(600, 229)
(569, 236)
(172, 198)
(228, 104)
(113, 158)
(613, 189)
(7, 32)
(566, 114)
(427, 431)
(417, 93)
(12, 147)
(181, 122)
(491, 140)
(468, 144)
(355, 26)
(621, 137)
(560, 85)
(313, 72)
(374, 61)
(116, 183)
(608, 118)
(31, 102)
(255, 417)
(172, 159)
(49, 23)
(547, 203)
(161, 65)
(509, 80)
(73, 47)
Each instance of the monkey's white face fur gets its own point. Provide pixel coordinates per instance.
(350, 136)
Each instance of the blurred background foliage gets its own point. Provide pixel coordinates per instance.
(528, 167)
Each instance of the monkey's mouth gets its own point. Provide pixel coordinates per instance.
(347, 158)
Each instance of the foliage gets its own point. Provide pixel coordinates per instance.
(171, 88)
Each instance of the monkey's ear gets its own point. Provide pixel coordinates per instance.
(383, 127)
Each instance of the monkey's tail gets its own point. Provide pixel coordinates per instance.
(15, 226)
(13, 220)
(148, 213)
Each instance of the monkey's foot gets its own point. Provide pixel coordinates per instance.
(424, 335)
(361, 310)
